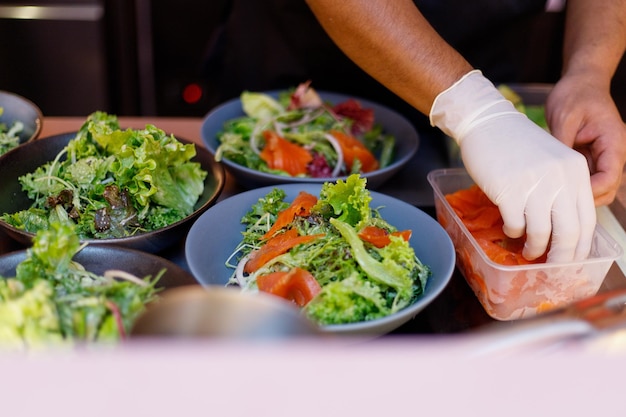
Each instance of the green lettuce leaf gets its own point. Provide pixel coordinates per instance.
(155, 167)
(347, 201)
(260, 105)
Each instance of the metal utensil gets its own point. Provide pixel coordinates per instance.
(220, 312)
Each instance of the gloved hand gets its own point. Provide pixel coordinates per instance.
(541, 186)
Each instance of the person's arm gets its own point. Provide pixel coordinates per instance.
(580, 110)
(595, 37)
(393, 42)
(540, 185)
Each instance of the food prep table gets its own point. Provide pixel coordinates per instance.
(438, 375)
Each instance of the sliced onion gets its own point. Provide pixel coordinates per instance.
(306, 118)
(254, 139)
(279, 127)
(241, 279)
(331, 139)
(331, 111)
(115, 273)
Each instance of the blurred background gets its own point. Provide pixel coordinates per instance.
(183, 57)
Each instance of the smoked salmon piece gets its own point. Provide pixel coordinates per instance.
(277, 245)
(380, 237)
(296, 285)
(354, 149)
(279, 153)
(300, 206)
(482, 218)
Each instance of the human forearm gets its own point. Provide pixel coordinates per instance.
(395, 44)
(580, 110)
(595, 38)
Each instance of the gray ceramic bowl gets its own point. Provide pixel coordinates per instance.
(17, 108)
(407, 141)
(217, 232)
(28, 157)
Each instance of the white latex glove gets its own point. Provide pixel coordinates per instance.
(541, 186)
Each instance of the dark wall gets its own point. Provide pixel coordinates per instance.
(181, 33)
(137, 57)
(57, 60)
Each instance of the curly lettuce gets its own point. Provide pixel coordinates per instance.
(347, 201)
(113, 182)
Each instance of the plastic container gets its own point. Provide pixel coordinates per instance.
(514, 292)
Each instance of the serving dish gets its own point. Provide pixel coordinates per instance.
(17, 108)
(52, 303)
(100, 258)
(407, 141)
(518, 291)
(217, 232)
(29, 156)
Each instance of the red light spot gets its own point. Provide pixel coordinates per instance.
(192, 93)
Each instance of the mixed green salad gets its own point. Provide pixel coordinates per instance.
(113, 183)
(333, 255)
(298, 134)
(54, 301)
(9, 135)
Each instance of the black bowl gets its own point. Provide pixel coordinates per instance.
(31, 155)
(98, 259)
(17, 108)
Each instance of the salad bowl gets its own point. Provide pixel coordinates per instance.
(28, 157)
(392, 123)
(217, 232)
(97, 259)
(75, 296)
(17, 109)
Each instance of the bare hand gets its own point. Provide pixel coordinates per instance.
(582, 115)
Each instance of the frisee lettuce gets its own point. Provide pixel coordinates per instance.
(359, 281)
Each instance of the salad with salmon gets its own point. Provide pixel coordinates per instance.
(332, 255)
(297, 134)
